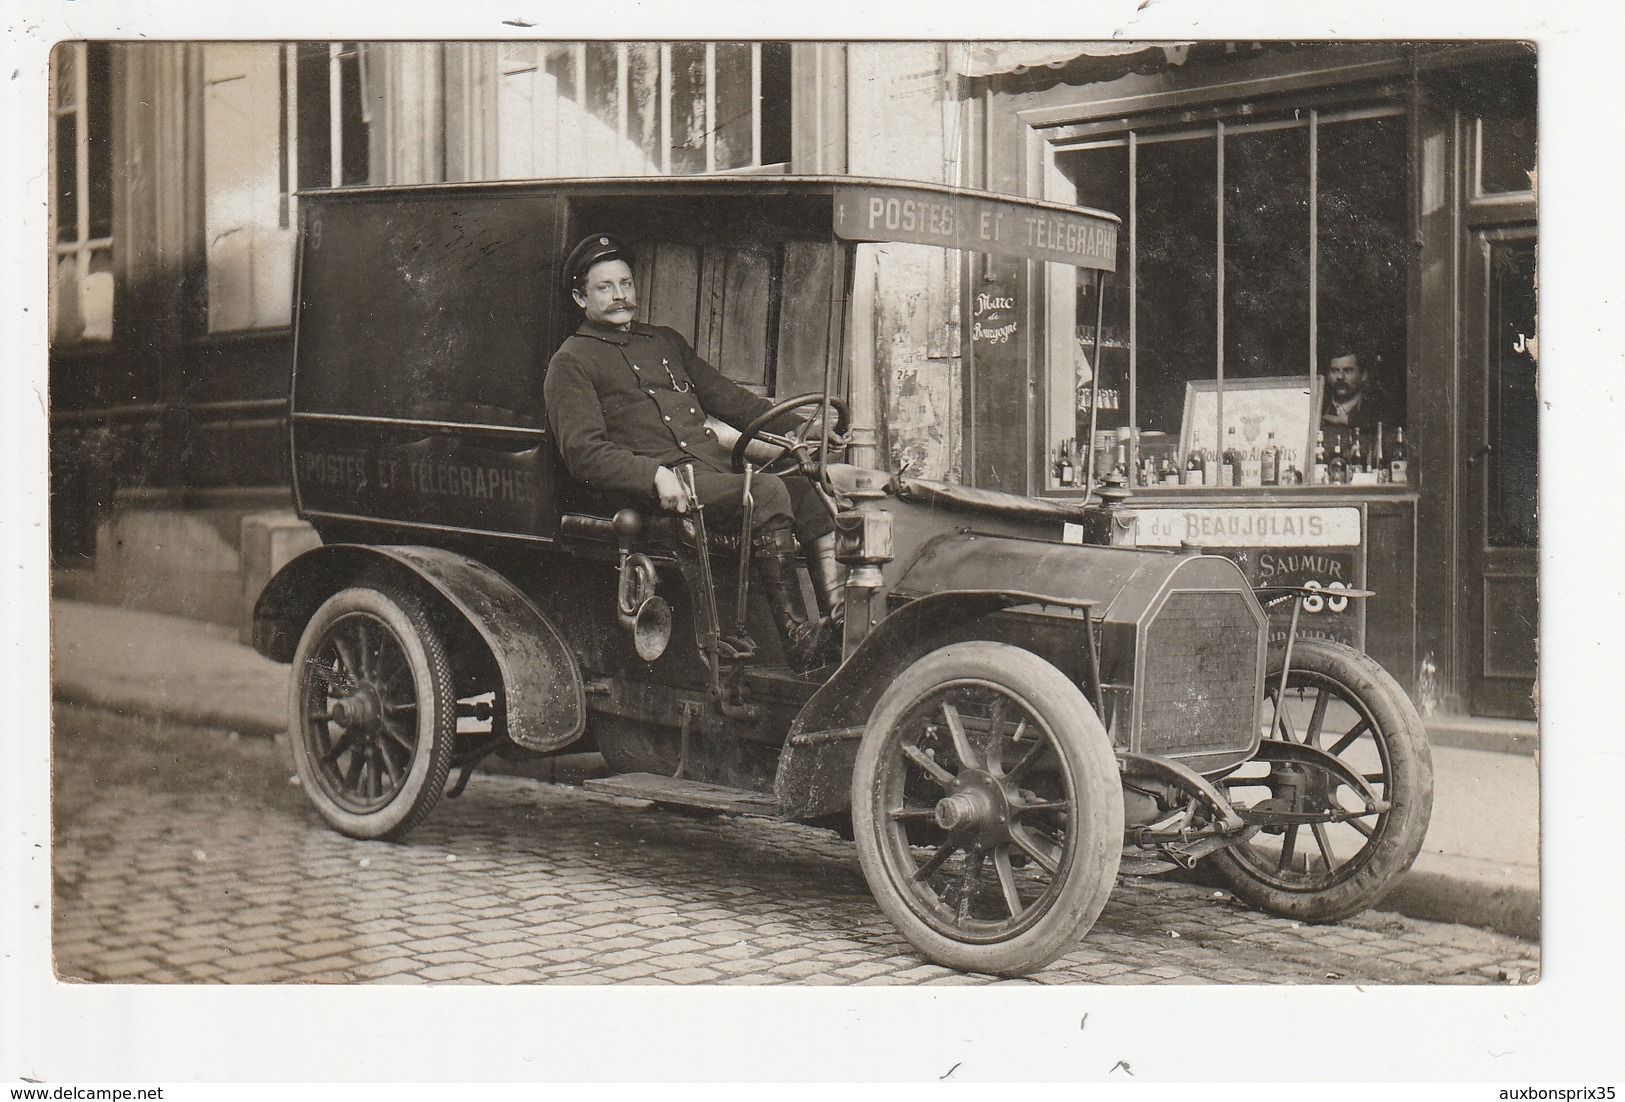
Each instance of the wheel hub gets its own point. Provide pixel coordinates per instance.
(1302, 789)
(356, 710)
(977, 813)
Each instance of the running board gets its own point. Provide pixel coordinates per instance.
(669, 790)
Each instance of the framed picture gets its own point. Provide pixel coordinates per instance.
(1287, 405)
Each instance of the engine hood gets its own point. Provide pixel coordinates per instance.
(1181, 636)
(1118, 582)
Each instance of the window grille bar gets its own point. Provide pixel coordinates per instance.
(1133, 282)
(365, 106)
(755, 103)
(623, 109)
(81, 170)
(1219, 328)
(1314, 283)
(335, 117)
(710, 107)
(53, 159)
(81, 173)
(666, 99)
(581, 155)
(288, 124)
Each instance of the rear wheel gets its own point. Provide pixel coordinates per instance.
(987, 809)
(373, 712)
(1327, 857)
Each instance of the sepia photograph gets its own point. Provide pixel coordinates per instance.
(749, 512)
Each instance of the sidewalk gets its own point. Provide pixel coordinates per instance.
(152, 664)
(1479, 866)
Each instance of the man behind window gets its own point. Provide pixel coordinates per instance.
(1348, 404)
(627, 403)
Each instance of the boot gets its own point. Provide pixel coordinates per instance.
(807, 644)
(828, 576)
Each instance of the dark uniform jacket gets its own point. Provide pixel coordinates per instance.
(623, 403)
(1340, 427)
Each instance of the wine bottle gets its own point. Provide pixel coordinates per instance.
(1067, 474)
(1356, 456)
(1271, 464)
(1320, 472)
(1378, 463)
(1230, 468)
(1337, 467)
(1194, 468)
(1399, 459)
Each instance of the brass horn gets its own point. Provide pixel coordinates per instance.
(640, 609)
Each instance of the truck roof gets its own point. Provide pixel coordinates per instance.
(862, 208)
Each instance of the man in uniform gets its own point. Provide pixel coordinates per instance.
(628, 403)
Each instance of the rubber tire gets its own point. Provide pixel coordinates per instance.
(432, 683)
(1402, 829)
(1097, 823)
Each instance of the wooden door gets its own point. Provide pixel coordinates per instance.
(1500, 438)
(721, 298)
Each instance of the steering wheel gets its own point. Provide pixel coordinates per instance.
(796, 451)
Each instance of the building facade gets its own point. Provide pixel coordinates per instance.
(1284, 206)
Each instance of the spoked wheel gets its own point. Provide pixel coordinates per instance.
(987, 809)
(373, 712)
(1346, 780)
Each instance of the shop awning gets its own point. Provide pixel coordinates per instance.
(985, 59)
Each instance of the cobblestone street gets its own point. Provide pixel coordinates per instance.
(185, 855)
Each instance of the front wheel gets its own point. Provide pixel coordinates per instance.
(374, 713)
(987, 809)
(1327, 856)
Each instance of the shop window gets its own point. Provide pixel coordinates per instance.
(1256, 253)
(82, 208)
(626, 108)
(276, 118)
(1505, 155)
(1504, 131)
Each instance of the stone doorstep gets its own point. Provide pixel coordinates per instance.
(201, 554)
(269, 541)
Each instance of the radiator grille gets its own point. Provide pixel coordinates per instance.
(1198, 675)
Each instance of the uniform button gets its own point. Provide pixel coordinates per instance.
(635, 367)
(668, 417)
(682, 443)
(691, 409)
(651, 390)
